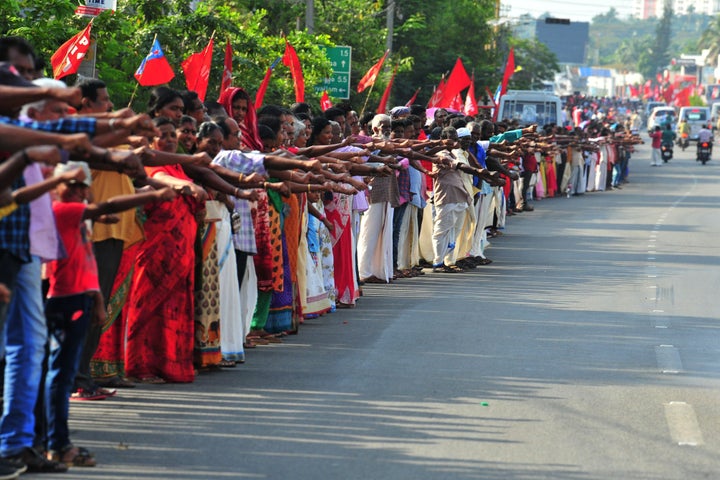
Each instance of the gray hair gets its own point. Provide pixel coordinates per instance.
(40, 104)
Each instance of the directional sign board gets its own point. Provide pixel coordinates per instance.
(338, 85)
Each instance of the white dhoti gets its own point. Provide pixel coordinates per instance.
(449, 219)
(408, 246)
(374, 249)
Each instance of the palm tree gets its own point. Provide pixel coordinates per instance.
(710, 38)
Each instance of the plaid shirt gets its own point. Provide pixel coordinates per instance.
(15, 228)
(245, 163)
(64, 125)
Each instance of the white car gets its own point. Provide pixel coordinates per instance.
(661, 116)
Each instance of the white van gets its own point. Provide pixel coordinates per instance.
(531, 107)
(696, 117)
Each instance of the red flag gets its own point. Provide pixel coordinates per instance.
(437, 94)
(369, 78)
(668, 94)
(456, 104)
(659, 78)
(291, 60)
(509, 70)
(325, 102)
(634, 91)
(471, 107)
(154, 69)
(260, 94)
(413, 98)
(197, 70)
(67, 59)
(386, 95)
(647, 92)
(456, 82)
(682, 98)
(227, 68)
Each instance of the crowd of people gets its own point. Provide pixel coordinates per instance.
(145, 248)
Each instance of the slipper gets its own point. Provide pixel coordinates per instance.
(108, 392)
(73, 456)
(226, 364)
(374, 279)
(82, 395)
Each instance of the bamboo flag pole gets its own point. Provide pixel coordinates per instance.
(366, 99)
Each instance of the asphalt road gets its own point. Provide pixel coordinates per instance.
(588, 350)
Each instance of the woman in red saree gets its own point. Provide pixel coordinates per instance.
(160, 308)
(338, 211)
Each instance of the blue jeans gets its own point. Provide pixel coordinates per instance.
(68, 322)
(26, 335)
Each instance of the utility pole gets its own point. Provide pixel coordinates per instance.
(310, 16)
(390, 24)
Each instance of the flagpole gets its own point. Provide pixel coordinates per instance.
(366, 99)
(132, 97)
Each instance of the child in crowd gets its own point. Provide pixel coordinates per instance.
(74, 291)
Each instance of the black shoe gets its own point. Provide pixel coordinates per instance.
(36, 463)
(10, 469)
(9, 473)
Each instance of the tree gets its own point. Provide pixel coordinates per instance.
(710, 38)
(124, 38)
(658, 56)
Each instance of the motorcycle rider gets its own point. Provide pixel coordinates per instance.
(705, 135)
(684, 131)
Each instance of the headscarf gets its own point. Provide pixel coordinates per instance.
(250, 135)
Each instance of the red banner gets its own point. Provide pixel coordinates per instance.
(67, 59)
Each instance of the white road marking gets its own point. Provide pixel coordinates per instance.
(668, 359)
(683, 424)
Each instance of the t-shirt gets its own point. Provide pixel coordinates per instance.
(105, 185)
(77, 273)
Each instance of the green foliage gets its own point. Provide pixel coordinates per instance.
(124, 38)
(429, 35)
(627, 43)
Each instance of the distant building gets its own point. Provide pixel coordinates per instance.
(654, 8)
(524, 27)
(568, 40)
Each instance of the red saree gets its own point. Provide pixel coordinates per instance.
(160, 311)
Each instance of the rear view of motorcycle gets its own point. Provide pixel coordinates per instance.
(703, 152)
(666, 151)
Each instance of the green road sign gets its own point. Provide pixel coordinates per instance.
(338, 85)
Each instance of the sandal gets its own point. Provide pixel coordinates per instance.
(35, 462)
(73, 456)
(82, 395)
(226, 364)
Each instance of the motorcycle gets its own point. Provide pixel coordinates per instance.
(683, 141)
(703, 152)
(666, 151)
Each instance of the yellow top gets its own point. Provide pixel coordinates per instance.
(106, 185)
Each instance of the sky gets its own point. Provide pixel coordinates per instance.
(578, 10)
